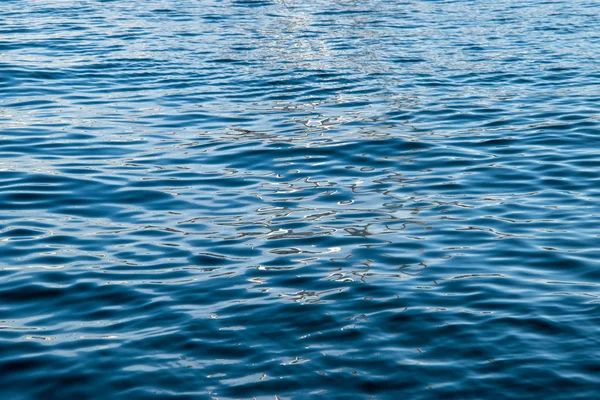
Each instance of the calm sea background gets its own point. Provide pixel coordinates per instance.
(316, 199)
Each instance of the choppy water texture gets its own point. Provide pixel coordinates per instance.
(299, 199)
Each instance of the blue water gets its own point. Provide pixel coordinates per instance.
(316, 199)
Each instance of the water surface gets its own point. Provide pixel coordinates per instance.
(299, 199)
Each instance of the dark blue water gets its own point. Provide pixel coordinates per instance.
(292, 199)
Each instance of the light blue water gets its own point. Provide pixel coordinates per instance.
(299, 199)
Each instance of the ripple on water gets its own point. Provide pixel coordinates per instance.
(285, 199)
